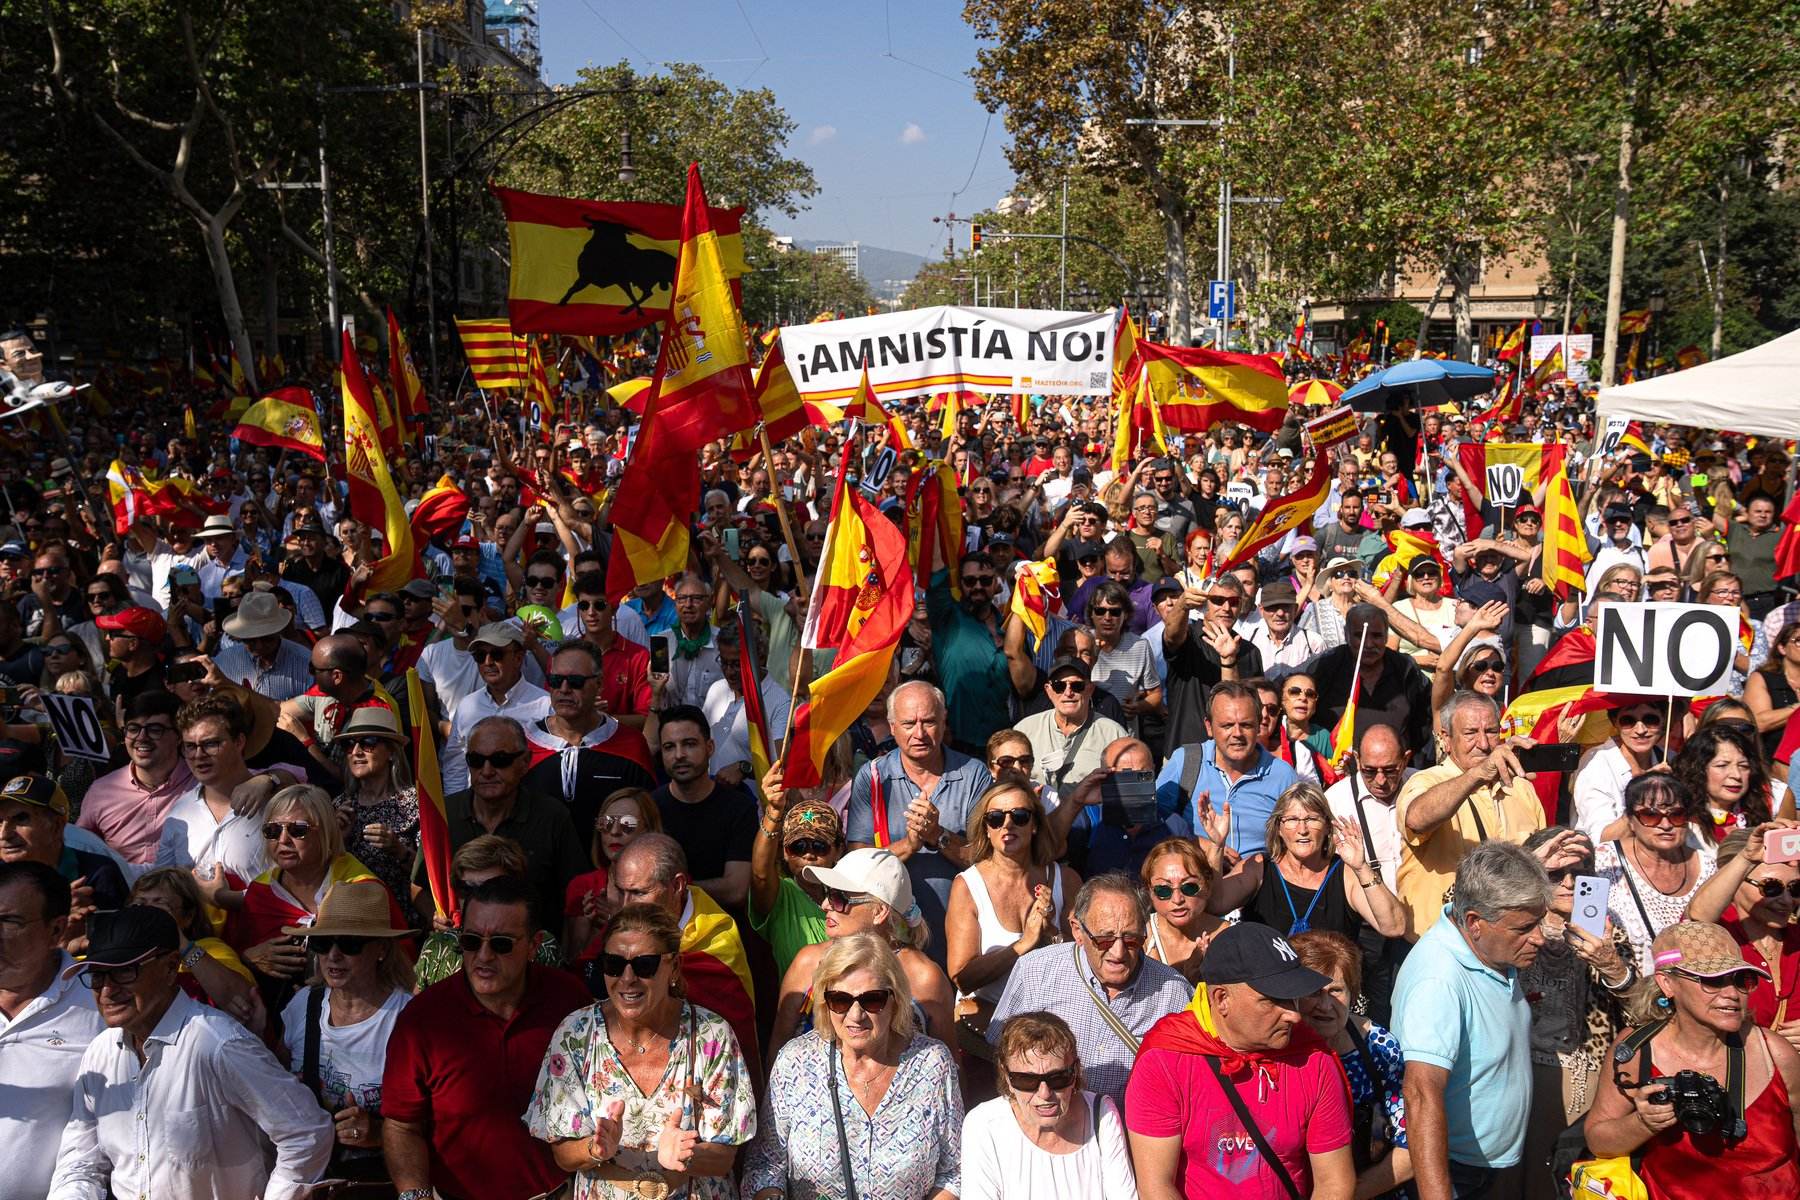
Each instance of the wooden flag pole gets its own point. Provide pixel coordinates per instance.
(781, 512)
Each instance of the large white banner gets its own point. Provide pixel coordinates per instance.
(925, 350)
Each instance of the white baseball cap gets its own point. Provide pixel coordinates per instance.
(869, 872)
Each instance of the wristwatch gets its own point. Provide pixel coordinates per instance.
(423, 1193)
(193, 954)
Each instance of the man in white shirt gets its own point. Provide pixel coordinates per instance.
(221, 554)
(724, 709)
(46, 1022)
(174, 1099)
(1365, 796)
(1279, 638)
(499, 654)
(203, 832)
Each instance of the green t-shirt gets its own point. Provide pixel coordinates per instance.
(794, 923)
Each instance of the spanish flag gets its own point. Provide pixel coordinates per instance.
(1343, 734)
(1536, 463)
(495, 354)
(284, 420)
(1634, 439)
(1547, 371)
(1198, 388)
(864, 406)
(440, 510)
(935, 524)
(403, 374)
(714, 965)
(129, 493)
(1514, 344)
(953, 406)
(434, 824)
(1565, 553)
(374, 500)
(861, 601)
(1405, 545)
(581, 266)
(1037, 593)
(630, 393)
(1283, 514)
(777, 400)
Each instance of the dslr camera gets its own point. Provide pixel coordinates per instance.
(1701, 1105)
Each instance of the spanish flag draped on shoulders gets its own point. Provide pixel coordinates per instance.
(268, 904)
(717, 972)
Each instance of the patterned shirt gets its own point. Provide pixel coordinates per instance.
(910, 1147)
(290, 675)
(583, 1071)
(1390, 1067)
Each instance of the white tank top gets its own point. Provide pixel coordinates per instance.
(993, 934)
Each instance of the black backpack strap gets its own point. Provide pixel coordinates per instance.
(1256, 1135)
(309, 1059)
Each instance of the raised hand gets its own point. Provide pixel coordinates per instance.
(675, 1145)
(1346, 838)
(603, 1143)
(1215, 823)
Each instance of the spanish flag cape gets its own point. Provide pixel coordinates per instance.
(1193, 1031)
(268, 905)
(717, 972)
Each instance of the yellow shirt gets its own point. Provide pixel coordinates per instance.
(1428, 864)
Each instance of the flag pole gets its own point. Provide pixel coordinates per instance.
(775, 497)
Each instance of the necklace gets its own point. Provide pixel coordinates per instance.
(1663, 866)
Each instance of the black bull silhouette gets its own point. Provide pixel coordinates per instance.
(611, 260)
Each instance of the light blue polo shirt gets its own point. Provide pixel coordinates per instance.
(1453, 1011)
(1252, 797)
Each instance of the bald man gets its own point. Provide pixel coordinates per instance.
(341, 685)
(1365, 796)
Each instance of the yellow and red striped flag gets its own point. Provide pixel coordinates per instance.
(1635, 321)
(409, 393)
(374, 500)
(862, 599)
(1514, 344)
(284, 420)
(434, 824)
(1565, 543)
(1548, 371)
(495, 354)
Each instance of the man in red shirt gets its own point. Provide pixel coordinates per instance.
(1241, 1051)
(624, 665)
(464, 1057)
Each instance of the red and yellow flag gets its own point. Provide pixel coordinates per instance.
(1037, 594)
(1514, 345)
(1343, 734)
(284, 420)
(1197, 388)
(1405, 545)
(861, 601)
(537, 391)
(434, 824)
(1283, 514)
(374, 500)
(1635, 321)
(581, 266)
(403, 375)
(441, 510)
(1548, 371)
(750, 684)
(496, 356)
(935, 524)
(1566, 552)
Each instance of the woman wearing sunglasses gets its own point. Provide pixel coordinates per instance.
(379, 809)
(643, 1093)
(1657, 864)
(1688, 1019)
(624, 815)
(1474, 660)
(1755, 900)
(867, 1078)
(363, 981)
(1636, 746)
(1044, 1135)
(1179, 881)
(1011, 899)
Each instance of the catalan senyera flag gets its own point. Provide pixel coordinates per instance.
(1514, 345)
(537, 389)
(496, 355)
(285, 419)
(1197, 388)
(1536, 463)
(750, 684)
(374, 500)
(581, 266)
(861, 601)
(1635, 321)
(1283, 514)
(1566, 551)
(434, 824)
(1036, 596)
(403, 374)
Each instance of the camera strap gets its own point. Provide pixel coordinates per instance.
(1637, 1045)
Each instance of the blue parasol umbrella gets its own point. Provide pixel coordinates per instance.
(1420, 383)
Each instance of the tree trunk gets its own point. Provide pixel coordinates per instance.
(1430, 308)
(219, 258)
(1568, 314)
(1718, 278)
(1460, 285)
(1621, 232)
(1175, 262)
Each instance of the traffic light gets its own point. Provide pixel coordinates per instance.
(974, 236)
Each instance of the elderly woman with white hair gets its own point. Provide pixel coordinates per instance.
(866, 1105)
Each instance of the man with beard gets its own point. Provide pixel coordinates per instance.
(714, 822)
(968, 643)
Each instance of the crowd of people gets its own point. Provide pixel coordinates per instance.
(1108, 911)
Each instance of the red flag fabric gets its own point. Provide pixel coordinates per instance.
(1787, 550)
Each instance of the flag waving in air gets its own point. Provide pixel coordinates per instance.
(1566, 552)
(750, 685)
(374, 500)
(434, 825)
(285, 420)
(496, 356)
(1037, 595)
(403, 377)
(1198, 388)
(1283, 514)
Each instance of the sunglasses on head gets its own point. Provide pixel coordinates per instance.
(642, 965)
(501, 943)
(1166, 891)
(1020, 817)
(871, 1002)
(501, 759)
(323, 944)
(1771, 888)
(298, 830)
(1029, 1081)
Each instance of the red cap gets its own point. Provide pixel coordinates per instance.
(142, 622)
(465, 542)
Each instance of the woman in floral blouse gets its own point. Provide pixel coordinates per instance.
(644, 1094)
(379, 810)
(865, 1076)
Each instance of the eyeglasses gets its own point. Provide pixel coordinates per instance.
(591, 605)
(500, 943)
(487, 653)
(298, 830)
(1301, 821)
(1029, 1082)
(1370, 771)
(367, 741)
(46, 572)
(1483, 665)
(99, 597)
(620, 824)
(692, 599)
(613, 965)
(1650, 719)
(577, 682)
(1106, 610)
(381, 618)
(1063, 687)
(1771, 888)
(1222, 601)
(1013, 762)
(316, 669)
(843, 902)
(1166, 891)
(1743, 981)
(96, 978)
(324, 944)
(809, 847)
(148, 732)
(871, 1002)
(499, 759)
(206, 749)
(1564, 874)
(1020, 817)
(1103, 942)
(1673, 521)
(1727, 594)
(540, 581)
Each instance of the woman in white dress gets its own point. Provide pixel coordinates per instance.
(1659, 863)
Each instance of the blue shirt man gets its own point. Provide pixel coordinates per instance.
(1233, 769)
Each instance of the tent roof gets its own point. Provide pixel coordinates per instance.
(1757, 391)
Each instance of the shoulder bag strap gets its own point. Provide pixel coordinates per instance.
(1475, 811)
(309, 1062)
(1250, 1127)
(837, 1113)
(1106, 1012)
(1650, 928)
(1734, 1085)
(1190, 770)
(1362, 819)
(1361, 1042)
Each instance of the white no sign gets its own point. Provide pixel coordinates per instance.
(1661, 649)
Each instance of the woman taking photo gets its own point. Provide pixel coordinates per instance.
(1044, 1135)
(624, 815)
(1722, 765)
(1773, 690)
(379, 810)
(1754, 901)
(1659, 862)
(1010, 900)
(1687, 1020)
(1371, 1059)
(867, 891)
(337, 1030)
(1315, 875)
(644, 1094)
(867, 1078)
(1179, 881)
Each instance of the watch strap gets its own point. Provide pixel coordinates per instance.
(423, 1193)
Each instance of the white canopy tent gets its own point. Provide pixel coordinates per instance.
(1757, 392)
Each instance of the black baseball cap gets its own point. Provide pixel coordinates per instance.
(1070, 663)
(1246, 952)
(128, 935)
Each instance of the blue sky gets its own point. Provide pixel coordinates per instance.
(886, 116)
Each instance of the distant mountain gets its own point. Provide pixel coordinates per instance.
(887, 272)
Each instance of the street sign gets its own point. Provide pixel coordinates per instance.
(1221, 299)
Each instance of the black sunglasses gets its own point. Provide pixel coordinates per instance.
(381, 618)
(644, 966)
(324, 944)
(872, 1001)
(1771, 888)
(499, 758)
(366, 741)
(501, 943)
(540, 581)
(1064, 686)
(1487, 664)
(1029, 1082)
(298, 830)
(591, 605)
(1166, 891)
(816, 847)
(486, 653)
(1020, 817)
(562, 680)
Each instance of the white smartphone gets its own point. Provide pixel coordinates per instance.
(1591, 892)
